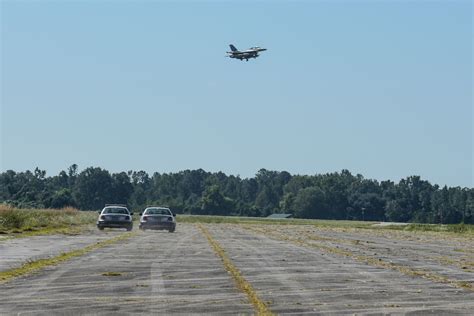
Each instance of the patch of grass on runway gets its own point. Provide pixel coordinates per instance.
(36, 265)
(30, 222)
(260, 306)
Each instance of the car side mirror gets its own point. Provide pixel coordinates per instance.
(174, 214)
(131, 213)
(141, 214)
(99, 212)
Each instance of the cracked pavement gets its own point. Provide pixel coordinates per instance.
(157, 272)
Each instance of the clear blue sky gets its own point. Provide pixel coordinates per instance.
(379, 88)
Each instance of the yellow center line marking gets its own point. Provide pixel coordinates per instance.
(33, 266)
(259, 306)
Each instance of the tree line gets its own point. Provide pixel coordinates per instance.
(338, 195)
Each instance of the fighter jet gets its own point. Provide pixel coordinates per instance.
(252, 52)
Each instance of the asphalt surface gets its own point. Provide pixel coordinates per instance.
(156, 272)
(14, 252)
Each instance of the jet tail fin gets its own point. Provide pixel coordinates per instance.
(232, 48)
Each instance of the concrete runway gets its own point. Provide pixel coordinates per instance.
(14, 252)
(156, 272)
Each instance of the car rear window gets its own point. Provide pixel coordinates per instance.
(115, 210)
(157, 211)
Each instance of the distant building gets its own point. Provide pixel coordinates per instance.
(280, 216)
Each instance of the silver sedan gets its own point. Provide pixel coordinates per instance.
(156, 217)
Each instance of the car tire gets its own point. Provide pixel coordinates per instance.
(171, 230)
(100, 228)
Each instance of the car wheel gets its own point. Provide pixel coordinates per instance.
(171, 230)
(129, 229)
(100, 228)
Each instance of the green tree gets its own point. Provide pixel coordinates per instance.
(214, 203)
(310, 203)
(121, 189)
(469, 211)
(93, 189)
(62, 198)
(365, 201)
(287, 203)
(396, 211)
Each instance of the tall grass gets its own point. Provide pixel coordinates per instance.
(450, 228)
(20, 220)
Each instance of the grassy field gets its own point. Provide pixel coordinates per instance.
(42, 221)
(262, 220)
(452, 228)
(33, 221)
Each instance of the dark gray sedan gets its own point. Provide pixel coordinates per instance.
(155, 217)
(115, 217)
